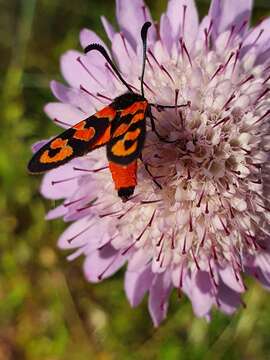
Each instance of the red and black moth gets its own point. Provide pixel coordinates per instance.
(121, 126)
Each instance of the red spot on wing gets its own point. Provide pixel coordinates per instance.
(82, 133)
(64, 152)
(108, 112)
(139, 105)
(124, 175)
(104, 138)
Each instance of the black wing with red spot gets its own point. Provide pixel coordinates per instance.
(82, 138)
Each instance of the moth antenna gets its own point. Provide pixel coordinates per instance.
(144, 31)
(102, 50)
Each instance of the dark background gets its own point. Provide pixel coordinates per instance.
(47, 309)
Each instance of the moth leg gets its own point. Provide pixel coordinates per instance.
(146, 166)
(153, 126)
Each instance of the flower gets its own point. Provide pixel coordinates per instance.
(207, 224)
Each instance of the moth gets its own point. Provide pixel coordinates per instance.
(121, 126)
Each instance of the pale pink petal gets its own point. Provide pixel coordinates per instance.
(228, 300)
(75, 97)
(64, 115)
(79, 233)
(184, 20)
(59, 183)
(137, 283)
(226, 14)
(103, 263)
(139, 259)
(79, 71)
(123, 52)
(38, 145)
(88, 37)
(232, 280)
(166, 32)
(131, 15)
(158, 297)
(57, 212)
(108, 27)
(201, 293)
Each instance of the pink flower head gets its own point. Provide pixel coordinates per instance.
(207, 223)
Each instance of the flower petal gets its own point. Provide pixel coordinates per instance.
(201, 293)
(38, 145)
(88, 37)
(229, 278)
(123, 52)
(166, 32)
(228, 300)
(137, 283)
(226, 14)
(131, 15)
(57, 212)
(108, 27)
(184, 20)
(158, 297)
(103, 263)
(74, 97)
(59, 183)
(79, 71)
(64, 115)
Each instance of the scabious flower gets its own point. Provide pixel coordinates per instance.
(208, 223)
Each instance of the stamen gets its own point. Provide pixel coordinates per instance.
(91, 204)
(148, 87)
(244, 24)
(190, 223)
(233, 96)
(230, 35)
(176, 99)
(104, 97)
(173, 238)
(203, 238)
(229, 59)
(107, 268)
(265, 81)
(109, 214)
(148, 225)
(160, 240)
(196, 262)
(224, 227)
(160, 251)
(90, 170)
(62, 123)
(89, 93)
(222, 121)
(251, 77)
(258, 37)
(184, 20)
(63, 180)
(125, 44)
(262, 95)
(167, 73)
(74, 201)
(80, 233)
(184, 49)
(200, 199)
(217, 72)
(184, 251)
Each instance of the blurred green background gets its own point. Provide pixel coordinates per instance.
(47, 309)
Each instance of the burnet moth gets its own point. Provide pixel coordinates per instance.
(121, 126)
